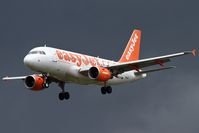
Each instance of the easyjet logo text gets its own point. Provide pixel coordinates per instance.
(81, 59)
(132, 46)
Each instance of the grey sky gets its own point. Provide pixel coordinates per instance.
(163, 102)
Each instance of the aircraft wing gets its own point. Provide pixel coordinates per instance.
(50, 79)
(14, 78)
(138, 64)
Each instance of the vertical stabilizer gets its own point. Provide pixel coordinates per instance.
(132, 50)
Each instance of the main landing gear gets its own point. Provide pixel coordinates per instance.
(106, 89)
(63, 95)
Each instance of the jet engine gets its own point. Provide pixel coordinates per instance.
(35, 82)
(99, 73)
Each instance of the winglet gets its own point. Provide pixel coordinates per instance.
(194, 52)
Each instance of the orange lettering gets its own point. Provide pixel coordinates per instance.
(85, 60)
(66, 56)
(73, 59)
(79, 61)
(59, 54)
(97, 60)
(92, 61)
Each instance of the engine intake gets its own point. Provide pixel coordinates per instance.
(34, 82)
(99, 73)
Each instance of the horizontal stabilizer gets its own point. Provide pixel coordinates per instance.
(154, 70)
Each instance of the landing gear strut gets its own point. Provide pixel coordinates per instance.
(47, 82)
(63, 95)
(46, 85)
(106, 89)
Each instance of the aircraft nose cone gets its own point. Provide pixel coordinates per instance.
(27, 60)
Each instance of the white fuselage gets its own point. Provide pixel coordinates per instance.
(65, 65)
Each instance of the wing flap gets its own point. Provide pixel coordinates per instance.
(155, 70)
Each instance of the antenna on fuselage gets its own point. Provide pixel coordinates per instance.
(45, 45)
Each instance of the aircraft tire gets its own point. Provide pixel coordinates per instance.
(61, 96)
(66, 95)
(103, 90)
(109, 89)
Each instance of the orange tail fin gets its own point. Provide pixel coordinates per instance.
(132, 51)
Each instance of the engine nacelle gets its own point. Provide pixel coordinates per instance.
(99, 73)
(34, 82)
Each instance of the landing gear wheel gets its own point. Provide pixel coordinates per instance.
(66, 95)
(61, 96)
(103, 90)
(109, 89)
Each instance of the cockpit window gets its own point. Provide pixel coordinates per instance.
(37, 52)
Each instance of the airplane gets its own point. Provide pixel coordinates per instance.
(62, 67)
